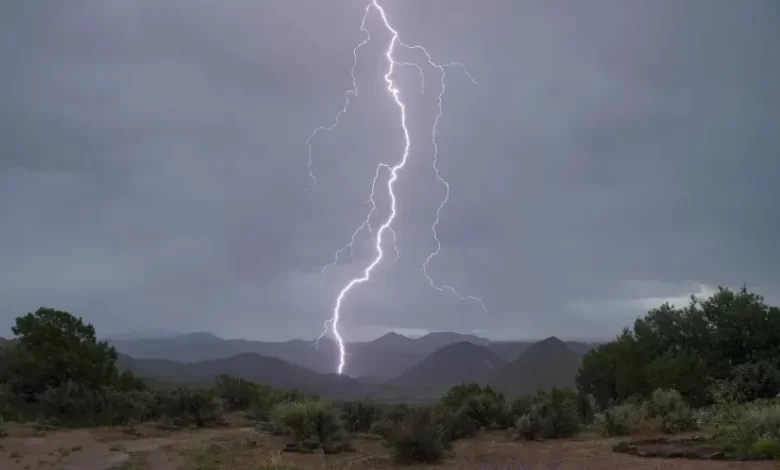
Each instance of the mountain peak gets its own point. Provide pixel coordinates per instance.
(545, 364)
(450, 365)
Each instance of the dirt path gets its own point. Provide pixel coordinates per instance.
(244, 449)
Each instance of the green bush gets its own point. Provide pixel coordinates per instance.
(420, 437)
(666, 411)
(236, 393)
(360, 416)
(73, 405)
(308, 419)
(483, 406)
(767, 448)
(196, 405)
(619, 420)
(673, 412)
(547, 415)
(132, 406)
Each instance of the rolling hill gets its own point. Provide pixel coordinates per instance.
(546, 364)
(259, 369)
(451, 365)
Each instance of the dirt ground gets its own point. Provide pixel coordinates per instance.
(242, 448)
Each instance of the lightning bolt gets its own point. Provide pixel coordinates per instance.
(393, 171)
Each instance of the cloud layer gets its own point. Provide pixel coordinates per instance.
(153, 170)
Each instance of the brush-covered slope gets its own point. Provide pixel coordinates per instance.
(451, 365)
(259, 369)
(543, 365)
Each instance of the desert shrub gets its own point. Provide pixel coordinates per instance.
(455, 425)
(236, 393)
(766, 448)
(308, 419)
(133, 406)
(482, 405)
(359, 416)
(547, 415)
(619, 420)
(673, 412)
(196, 405)
(420, 437)
(752, 428)
(457, 395)
(383, 428)
(666, 411)
(586, 407)
(73, 405)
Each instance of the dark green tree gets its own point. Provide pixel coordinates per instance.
(731, 338)
(55, 348)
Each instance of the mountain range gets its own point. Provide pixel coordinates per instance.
(392, 367)
(380, 360)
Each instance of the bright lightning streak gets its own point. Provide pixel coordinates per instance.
(394, 171)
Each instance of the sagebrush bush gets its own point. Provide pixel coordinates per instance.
(619, 420)
(309, 419)
(420, 437)
(360, 416)
(670, 408)
(73, 405)
(751, 423)
(236, 393)
(198, 405)
(133, 406)
(665, 411)
(547, 415)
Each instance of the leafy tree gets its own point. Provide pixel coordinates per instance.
(731, 337)
(684, 372)
(56, 348)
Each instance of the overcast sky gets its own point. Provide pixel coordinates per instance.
(153, 166)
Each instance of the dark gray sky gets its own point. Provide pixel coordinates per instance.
(153, 167)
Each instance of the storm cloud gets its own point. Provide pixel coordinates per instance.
(153, 166)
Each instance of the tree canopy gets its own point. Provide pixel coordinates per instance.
(728, 343)
(55, 348)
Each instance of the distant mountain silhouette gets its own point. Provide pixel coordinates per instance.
(390, 342)
(382, 359)
(195, 347)
(509, 350)
(451, 365)
(543, 365)
(259, 369)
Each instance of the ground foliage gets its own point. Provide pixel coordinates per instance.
(712, 365)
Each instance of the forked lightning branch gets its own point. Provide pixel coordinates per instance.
(391, 172)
